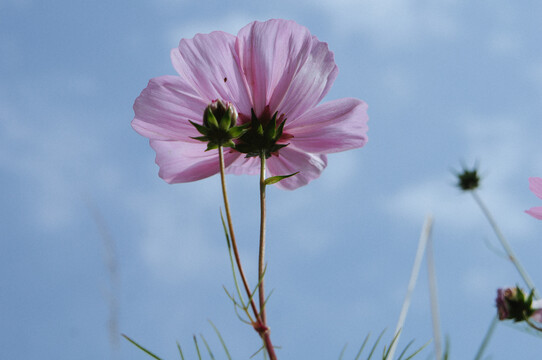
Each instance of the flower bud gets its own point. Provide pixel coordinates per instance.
(218, 129)
(513, 304)
(262, 139)
(468, 179)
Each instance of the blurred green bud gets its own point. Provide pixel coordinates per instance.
(468, 179)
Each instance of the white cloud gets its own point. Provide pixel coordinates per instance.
(504, 149)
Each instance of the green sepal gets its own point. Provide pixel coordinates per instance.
(277, 147)
(238, 131)
(275, 179)
(200, 138)
(201, 129)
(259, 129)
(225, 122)
(211, 145)
(279, 129)
(229, 143)
(209, 119)
(529, 301)
(270, 132)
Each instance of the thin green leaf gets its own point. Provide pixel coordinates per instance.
(256, 353)
(180, 350)
(207, 347)
(362, 346)
(417, 351)
(221, 340)
(275, 179)
(267, 298)
(342, 351)
(387, 353)
(446, 355)
(376, 344)
(141, 347)
(197, 347)
(258, 284)
(405, 350)
(226, 233)
(232, 263)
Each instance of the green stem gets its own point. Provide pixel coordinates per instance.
(485, 342)
(506, 246)
(261, 260)
(232, 234)
(265, 333)
(259, 324)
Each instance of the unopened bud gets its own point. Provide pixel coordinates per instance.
(468, 179)
(513, 304)
(219, 125)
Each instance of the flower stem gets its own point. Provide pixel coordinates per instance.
(504, 243)
(261, 264)
(261, 260)
(489, 334)
(232, 235)
(259, 324)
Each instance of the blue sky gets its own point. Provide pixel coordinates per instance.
(446, 83)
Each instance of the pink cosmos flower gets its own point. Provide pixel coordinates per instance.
(270, 67)
(535, 185)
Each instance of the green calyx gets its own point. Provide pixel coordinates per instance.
(519, 305)
(261, 138)
(218, 128)
(468, 179)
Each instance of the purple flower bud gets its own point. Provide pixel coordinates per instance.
(514, 304)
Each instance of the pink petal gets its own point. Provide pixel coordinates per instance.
(243, 165)
(535, 185)
(210, 64)
(334, 126)
(537, 316)
(310, 166)
(312, 81)
(184, 162)
(164, 107)
(535, 212)
(270, 55)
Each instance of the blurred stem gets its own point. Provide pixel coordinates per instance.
(422, 243)
(505, 244)
(485, 342)
(430, 258)
(529, 322)
(232, 235)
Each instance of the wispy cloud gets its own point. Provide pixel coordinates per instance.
(503, 148)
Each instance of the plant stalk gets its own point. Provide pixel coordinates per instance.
(260, 324)
(232, 234)
(261, 264)
(506, 246)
